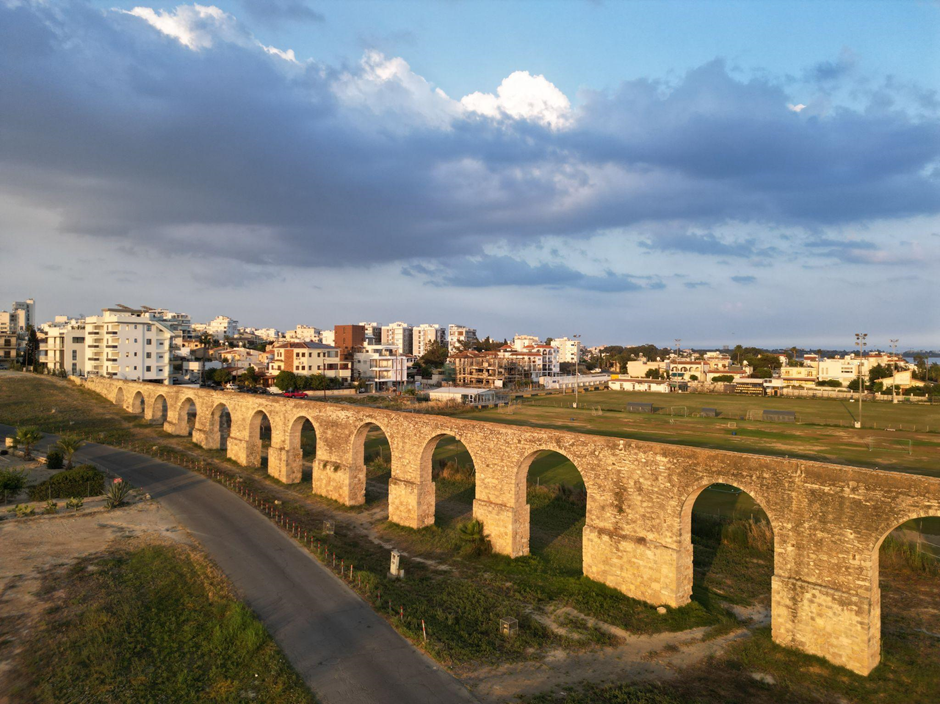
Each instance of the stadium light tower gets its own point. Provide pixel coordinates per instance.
(860, 342)
(894, 370)
(577, 363)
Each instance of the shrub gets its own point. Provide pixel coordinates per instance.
(84, 480)
(51, 507)
(22, 510)
(475, 542)
(76, 502)
(55, 460)
(13, 480)
(723, 378)
(117, 493)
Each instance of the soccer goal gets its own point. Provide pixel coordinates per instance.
(597, 411)
(678, 411)
(890, 445)
(732, 424)
(757, 414)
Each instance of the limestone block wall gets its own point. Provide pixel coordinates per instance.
(828, 520)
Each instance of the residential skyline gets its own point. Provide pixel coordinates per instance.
(759, 174)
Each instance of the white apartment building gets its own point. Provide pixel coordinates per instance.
(222, 326)
(374, 331)
(303, 333)
(569, 351)
(400, 336)
(382, 365)
(20, 316)
(308, 358)
(423, 336)
(125, 344)
(180, 323)
(548, 364)
(328, 337)
(64, 346)
(460, 337)
(520, 342)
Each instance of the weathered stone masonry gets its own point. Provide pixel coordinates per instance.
(828, 520)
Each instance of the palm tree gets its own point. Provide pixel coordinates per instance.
(69, 446)
(26, 438)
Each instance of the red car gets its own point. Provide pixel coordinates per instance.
(295, 394)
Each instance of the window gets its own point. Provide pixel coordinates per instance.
(148, 355)
(148, 369)
(74, 355)
(149, 340)
(135, 340)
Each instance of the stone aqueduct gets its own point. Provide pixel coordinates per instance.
(828, 520)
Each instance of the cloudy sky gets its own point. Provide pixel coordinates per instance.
(720, 172)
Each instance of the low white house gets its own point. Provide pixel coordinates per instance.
(572, 380)
(465, 395)
(627, 384)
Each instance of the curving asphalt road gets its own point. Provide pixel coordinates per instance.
(344, 651)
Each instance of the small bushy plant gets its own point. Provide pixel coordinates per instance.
(75, 503)
(55, 460)
(22, 510)
(51, 507)
(12, 481)
(117, 493)
(84, 479)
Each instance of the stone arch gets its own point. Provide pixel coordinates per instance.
(219, 427)
(186, 416)
(426, 475)
(358, 458)
(520, 492)
(159, 409)
(684, 574)
(259, 426)
(119, 397)
(298, 446)
(137, 404)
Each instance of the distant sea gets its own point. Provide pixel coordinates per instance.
(930, 360)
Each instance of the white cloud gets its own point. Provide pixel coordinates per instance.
(796, 108)
(197, 27)
(523, 96)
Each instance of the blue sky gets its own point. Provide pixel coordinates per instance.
(636, 171)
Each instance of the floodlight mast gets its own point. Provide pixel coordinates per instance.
(577, 360)
(894, 370)
(860, 342)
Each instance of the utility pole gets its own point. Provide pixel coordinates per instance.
(860, 342)
(577, 371)
(669, 376)
(894, 370)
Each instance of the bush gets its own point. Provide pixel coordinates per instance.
(13, 480)
(84, 480)
(55, 460)
(76, 503)
(723, 378)
(117, 493)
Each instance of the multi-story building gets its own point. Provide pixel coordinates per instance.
(373, 333)
(240, 358)
(500, 369)
(399, 335)
(328, 337)
(126, 344)
(8, 354)
(425, 335)
(382, 365)
(685, 369)
(222, 327)
(19, 318)
(548, 364)
(460, 338)
(520, 342)
(304, 332)
(349, 337)
(63, 349)
(309, 358)
(180, 323)
(569, 351)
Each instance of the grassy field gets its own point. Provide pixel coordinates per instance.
(151, 623)
(818, 435)
(461, 595)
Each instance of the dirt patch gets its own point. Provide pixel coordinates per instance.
(32, 546)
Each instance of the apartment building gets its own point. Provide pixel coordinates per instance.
(180, 323)
(500, 369)
(123, 343)
(382, 365)
(221, 327)
(304, 332)
(520, 342)
(63, 348)
(373, 333)
(459, 338)
(400, 336)
(7, 349)
(425, 335)
(569, 351)
(349, 337)
(19, 318)
(309, 358)
(548, 364)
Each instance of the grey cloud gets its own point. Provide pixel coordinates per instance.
(746, 280)
(274, 11)
(831, 71)
(706, 243)
(696, 284)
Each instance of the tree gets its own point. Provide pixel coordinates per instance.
(654, 373)
(248, 378)
(25, 438)
(723, 378)
(693, 377)
(222, 376)
(31, 351)
(434, 356)
(285, 381)
(762, 373)
(69, 445)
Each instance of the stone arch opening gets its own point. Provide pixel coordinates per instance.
(119, 397)
(159, 409)
(448, 464)
(187, 415)
(302, 447)
(372, 462)
(137, 404)
(259, 439)
(726, 547)
(556, 495)
(220, 428)
(905, 586)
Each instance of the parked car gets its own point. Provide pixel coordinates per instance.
(295, 394)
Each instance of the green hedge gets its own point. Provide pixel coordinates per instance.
(84, 480)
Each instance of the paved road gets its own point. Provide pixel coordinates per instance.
(339, 645)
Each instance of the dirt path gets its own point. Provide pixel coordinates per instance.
(30, 547)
